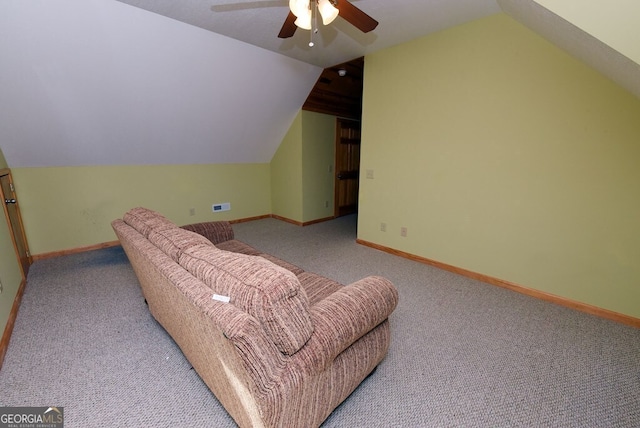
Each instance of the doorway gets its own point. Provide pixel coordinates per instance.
(14, 221)
(347, 166)
(338, 92)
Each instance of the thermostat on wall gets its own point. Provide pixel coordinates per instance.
(226, 206)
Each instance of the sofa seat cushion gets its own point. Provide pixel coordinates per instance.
(271, 294)
(277, 261)
(235, 246)
(317, 287)
(145, 220)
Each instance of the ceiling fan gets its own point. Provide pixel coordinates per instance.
(304, 14)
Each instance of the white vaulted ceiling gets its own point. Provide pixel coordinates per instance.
(258, 23)
(104, 82)
(98, 82)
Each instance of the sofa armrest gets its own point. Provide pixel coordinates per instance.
(214, 231)
(345, 316)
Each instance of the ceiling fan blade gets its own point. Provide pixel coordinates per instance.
(355, 16)
(289, 27)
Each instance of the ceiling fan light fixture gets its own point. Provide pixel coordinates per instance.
(304, 22)
(305, 13)
(299, 7)
(328, 11)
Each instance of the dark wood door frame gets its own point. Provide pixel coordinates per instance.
(16, 230)
(14, 221)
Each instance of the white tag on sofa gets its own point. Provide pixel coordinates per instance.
(224, 299)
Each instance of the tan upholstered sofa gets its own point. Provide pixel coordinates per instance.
(286, 349)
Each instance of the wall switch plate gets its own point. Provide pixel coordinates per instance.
(225, 206)
(403, 231)
(192, 211)
(383, 227)
(370, 174)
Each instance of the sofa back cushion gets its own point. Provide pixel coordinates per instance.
(174, 241)
(145, 220)
(216, 231)
(271, 294)
(163, 233)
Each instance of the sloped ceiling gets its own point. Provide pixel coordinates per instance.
(106, 82)
(601, 56)
(258, 23)
(98, 82)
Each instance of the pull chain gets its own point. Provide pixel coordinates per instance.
(314, 21)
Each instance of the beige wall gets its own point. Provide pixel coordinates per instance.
(503, 155)
(70, 207)
(302, 182)
(286, 174)
(318, 153)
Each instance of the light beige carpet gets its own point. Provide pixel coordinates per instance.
(463, 353)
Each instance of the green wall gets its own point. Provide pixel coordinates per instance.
(503, 155)
(302, 169)
(66, 208)
(70, 207)
(10, 273)
(318, 158)
(286, 174)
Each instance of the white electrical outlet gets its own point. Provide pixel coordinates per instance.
(403, 231)
(225, 206)
(383, 227)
